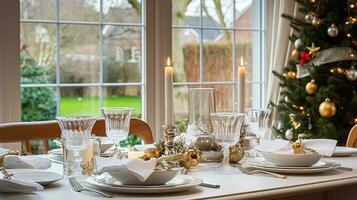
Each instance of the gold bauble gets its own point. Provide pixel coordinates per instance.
(192, 158)
(152, 152)
(327, 108)
(291, 75)
(311, 87)
(236, 153)
(295, 54)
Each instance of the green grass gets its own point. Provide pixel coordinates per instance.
(91, 105)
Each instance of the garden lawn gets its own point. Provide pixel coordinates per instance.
(91, 105)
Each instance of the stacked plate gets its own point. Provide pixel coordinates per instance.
(41, 177)
(180, 183)
(344, 151)
(319, 167)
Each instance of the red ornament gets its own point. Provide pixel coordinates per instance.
(301, 62)
(303, 54)
(308, 57)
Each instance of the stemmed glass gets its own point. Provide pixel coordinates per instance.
(117, 124)
(76, 131)
(226, 131)
(257, 122)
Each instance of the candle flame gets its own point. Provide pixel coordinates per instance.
(168, 63)
(241, 61)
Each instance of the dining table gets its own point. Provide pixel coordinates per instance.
(335, 184)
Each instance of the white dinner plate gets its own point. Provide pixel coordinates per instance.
(344, 151)
(321, 166)
(41, 177)
(107, 179)
(183, 183)
(264, 163)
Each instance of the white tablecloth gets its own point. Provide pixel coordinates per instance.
(239, 186)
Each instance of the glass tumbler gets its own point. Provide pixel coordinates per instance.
(226, 132)
(117, 124)
(202, 104)
(76, 131)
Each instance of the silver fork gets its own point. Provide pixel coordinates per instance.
(245, 171)
(79, 188)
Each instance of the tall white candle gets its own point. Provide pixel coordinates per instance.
(241, 86)
(168, 93)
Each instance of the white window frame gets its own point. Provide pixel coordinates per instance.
(258, 95)
(156, 47)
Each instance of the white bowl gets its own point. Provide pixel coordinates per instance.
(291, 160)
(158, 177)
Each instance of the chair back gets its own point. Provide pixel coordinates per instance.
(352, 137)
(25, 132)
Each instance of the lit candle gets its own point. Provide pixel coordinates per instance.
(241, 86)
(168, 93)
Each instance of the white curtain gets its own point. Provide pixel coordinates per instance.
(278, 44)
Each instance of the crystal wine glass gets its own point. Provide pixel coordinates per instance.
(226, 131)
(76, 131)
(117, 124)
(257, 121)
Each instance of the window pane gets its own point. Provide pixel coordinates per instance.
(247, 14)
(80, 10)
(122, 11)
(79, 54)
(248, 46)
(181, 107)
(122, 54)
(79, 101)
(186, 13)
(217, 13)
(123, 96)
(217, 55)
(253, 95)
(38, 103)
(186, 54)
(38, 9)
(38, 53)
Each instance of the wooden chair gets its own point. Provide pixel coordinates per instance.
(352, 137)
(26, 131)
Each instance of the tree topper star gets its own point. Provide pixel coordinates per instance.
(313, 49)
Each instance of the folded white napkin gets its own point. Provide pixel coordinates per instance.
(140, 168)
(143, 147)
(324, 147)
(15, 185)
(26, 162)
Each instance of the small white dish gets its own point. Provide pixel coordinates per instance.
(187, 182)
(291, 160)
(41, 177)
(158, 177)
(344, 151)
(321, 166)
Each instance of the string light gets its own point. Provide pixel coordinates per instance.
(349, 35)
(295, 124)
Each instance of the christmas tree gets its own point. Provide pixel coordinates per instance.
(318, 96)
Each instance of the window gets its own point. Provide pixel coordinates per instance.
(77, 56)
(97, 57)
(208, 39)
